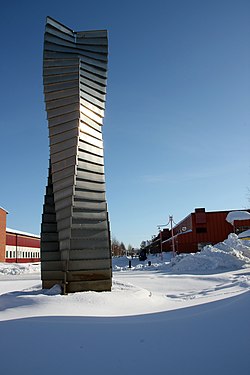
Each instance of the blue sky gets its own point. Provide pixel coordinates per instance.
(176, 130)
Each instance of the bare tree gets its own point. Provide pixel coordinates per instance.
(118, 248)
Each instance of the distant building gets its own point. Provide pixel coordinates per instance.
(17, 246)
(196, 230)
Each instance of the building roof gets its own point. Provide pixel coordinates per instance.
(14, 231)
(237, 215)
(1, 208)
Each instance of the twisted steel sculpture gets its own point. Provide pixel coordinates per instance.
(75, 235)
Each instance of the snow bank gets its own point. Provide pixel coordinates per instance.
(19, 268)
(237, 215)
(230, 254)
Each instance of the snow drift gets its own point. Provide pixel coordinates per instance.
(19, 268)
(230, 254)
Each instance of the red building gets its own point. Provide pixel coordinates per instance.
(17, 246)
(3, 215)
(196, 230)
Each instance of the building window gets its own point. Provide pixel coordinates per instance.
(7, 254)
(201, 230)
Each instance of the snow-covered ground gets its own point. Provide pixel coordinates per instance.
(182, 315)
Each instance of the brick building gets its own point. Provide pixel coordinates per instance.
(17, 246)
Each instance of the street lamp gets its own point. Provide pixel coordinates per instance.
(172, 233)
(160, 235)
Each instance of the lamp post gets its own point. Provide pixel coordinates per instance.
(160, 237)
(172, 233)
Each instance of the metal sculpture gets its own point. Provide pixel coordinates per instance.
(75, 235)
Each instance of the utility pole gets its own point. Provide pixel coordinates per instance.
(171, 221)
(160, 238)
